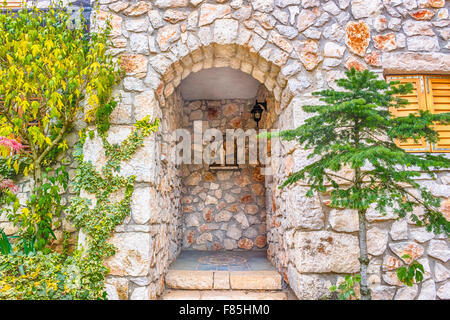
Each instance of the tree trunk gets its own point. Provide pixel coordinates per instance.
(36, 186)
(363, 257)
(37, 174)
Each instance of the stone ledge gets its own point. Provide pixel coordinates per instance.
(413, 63)
(255, 280)
(189, 279)
(221, 280)
(223, 295)
(240, 280)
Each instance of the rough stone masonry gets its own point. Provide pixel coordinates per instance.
(292, 47)
(223, 209)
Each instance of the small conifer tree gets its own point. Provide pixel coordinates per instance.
(354, 129)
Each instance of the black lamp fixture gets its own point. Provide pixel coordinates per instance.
(258, 110)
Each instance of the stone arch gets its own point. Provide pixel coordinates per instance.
(274, 85)
(216, 55)
(152, 87)
(282, 66)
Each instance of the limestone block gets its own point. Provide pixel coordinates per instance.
(122, 114)
(133, 63)
(428, 291)
(365, 8)
(309, 53)
(399, 230)
(380, 292)
(138, 8)
(171, 3)
(444, 291)
(117, 134)
(189, 280)
(307, 287)
(344, 220)
(141, 293)
(155, 19)
(385, 42)
(333, 50)
(324, 251)
(116, 288)
(211, 12)
(145, 104)
(133, 254)
(439, 249)
(144, 206)
(406, 293)
(410, 62)
(221, 280)
(101, 20)
(441, 273)
(421, 235)
(225, 30)
(93, 151)
(306, 19)
(242, 295)
(255, 280)
(423, 43)
(374, 215)
(143, 163)
(377, 240)
(410, 248)
(357, 37)
(263, 5)
(167, 35)
(181, 295)
(302, 211)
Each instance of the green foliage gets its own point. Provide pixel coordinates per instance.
(51, 73)
(6, 169)
(39, 276)
(102, 116)
(47, 202)
(354, 129)
(412, 272)
(346, 289)
(5, 244)
(99, 221)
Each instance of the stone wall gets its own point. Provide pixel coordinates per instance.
(293, 47)
(314, 246)
(150, 239)
(223, 209)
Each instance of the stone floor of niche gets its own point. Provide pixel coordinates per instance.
(222, 261)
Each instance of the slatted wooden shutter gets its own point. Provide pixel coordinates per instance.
(438, 101)
(417, 101)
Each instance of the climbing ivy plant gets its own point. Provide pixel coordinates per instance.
(98, 220)
(47, 69)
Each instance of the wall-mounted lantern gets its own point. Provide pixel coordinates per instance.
(257, 111)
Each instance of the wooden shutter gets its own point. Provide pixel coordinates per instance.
(438, 101)
(417, 101)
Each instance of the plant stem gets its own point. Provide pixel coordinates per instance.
(363, 257)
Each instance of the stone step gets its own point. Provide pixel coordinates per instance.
(222, 280)
(223, 295)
